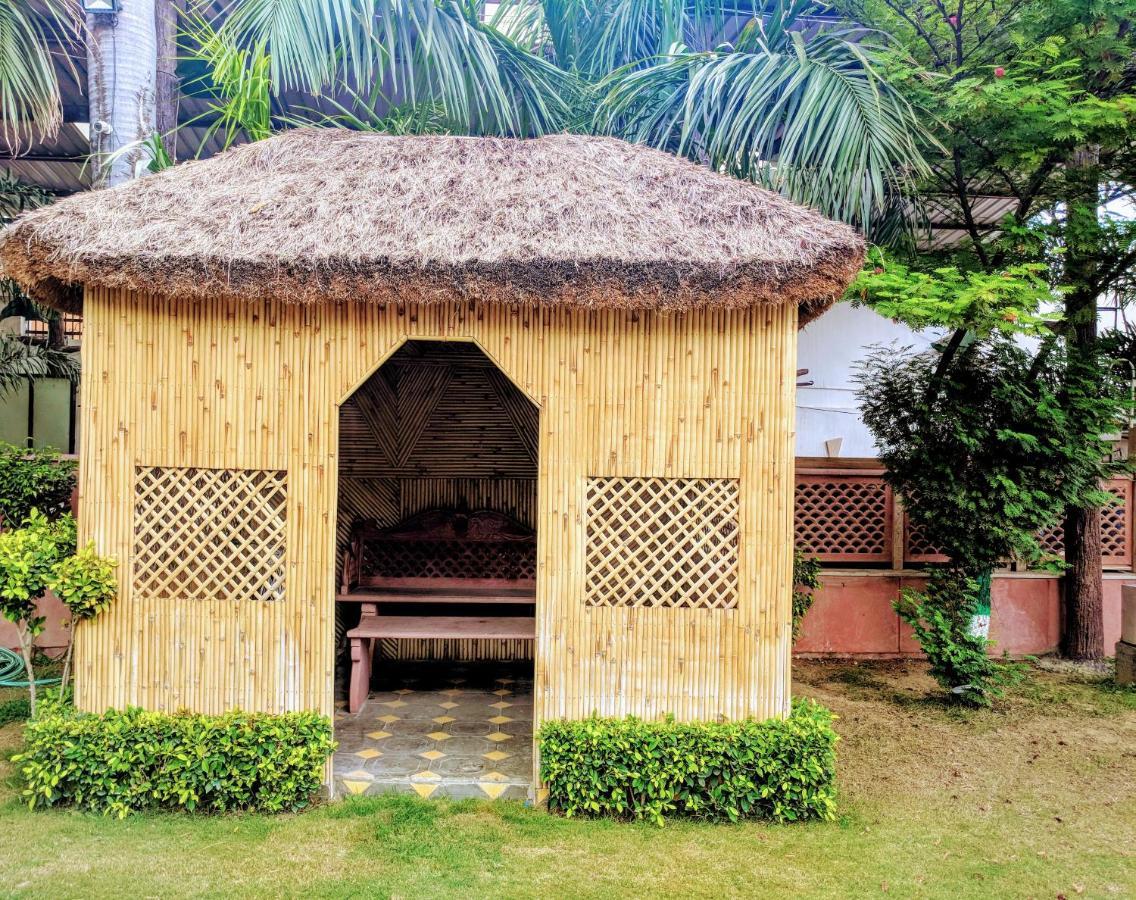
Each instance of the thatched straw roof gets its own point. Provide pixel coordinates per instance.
(321, 215)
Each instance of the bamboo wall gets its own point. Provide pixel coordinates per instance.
(230, 385)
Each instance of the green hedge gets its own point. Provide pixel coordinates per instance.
(118, 762)
(780, 769)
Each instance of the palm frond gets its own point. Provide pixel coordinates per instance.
(237, 78)
(20, 362)
(375, 112)
(420, 51)
(30, 104)
(18, 196)
(809, 117)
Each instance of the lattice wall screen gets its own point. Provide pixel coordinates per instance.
(662, 542)
(843, 518)
(209, 534)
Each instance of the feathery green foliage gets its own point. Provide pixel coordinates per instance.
(21, 361)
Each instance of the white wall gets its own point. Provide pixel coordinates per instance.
(829, 348)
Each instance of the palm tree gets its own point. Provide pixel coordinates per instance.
(772, 93)
(22, 362)
(432, 51)
(770, 90)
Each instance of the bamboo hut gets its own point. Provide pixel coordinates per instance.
(628, 317)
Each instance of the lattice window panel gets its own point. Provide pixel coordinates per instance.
(919, 547)
(1116, 537)
(209, 534)
(448, 559)
(843, 518)
(662, 542)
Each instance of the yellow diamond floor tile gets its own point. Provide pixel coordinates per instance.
(437, 729)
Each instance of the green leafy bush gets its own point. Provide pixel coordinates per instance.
(33, 479)
(780, 769)
(959, 659)
(15, 710)
(806, 579)
(121, 761)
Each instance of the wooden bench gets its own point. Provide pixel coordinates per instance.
(439, 557)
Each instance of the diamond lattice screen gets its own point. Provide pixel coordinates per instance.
(662, 542)
(209, 534)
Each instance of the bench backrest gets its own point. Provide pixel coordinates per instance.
(442, 548)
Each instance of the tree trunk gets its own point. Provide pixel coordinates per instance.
(168, 86)
(56, 334)
(121, 86)
(67, 657)
(1083, 636)
(27, 650)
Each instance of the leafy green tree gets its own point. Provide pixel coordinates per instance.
(985, 455)
(28, 555)
(38, 556)
(85, 583)
(1033, 102)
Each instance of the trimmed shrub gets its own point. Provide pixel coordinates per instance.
(779, 769)
(121, 761)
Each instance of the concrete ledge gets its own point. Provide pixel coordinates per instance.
(1125, 663)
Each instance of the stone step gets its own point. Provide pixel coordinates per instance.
(358, 785)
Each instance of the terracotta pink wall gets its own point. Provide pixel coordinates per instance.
(852, 614)
(54, 636)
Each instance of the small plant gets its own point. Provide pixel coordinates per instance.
(779, 769)
(28, 556)
(15, 710)
(40, 556)
(958, 654)
(86, 585)
(806, 579)
(127, 760)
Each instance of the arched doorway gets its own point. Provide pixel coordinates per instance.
(436, 571)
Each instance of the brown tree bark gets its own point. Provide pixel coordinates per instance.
(56, 334)
(1083, 632)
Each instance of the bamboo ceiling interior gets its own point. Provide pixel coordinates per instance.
(436, 425)
(702, 397)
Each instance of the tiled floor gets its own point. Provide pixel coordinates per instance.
(440, 729)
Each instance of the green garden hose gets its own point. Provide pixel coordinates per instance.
(11, 665)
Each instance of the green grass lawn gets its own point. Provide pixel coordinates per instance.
(1036, 799)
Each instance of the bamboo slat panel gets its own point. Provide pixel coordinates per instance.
(457, 649)
(705, 395)
(516, 497)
